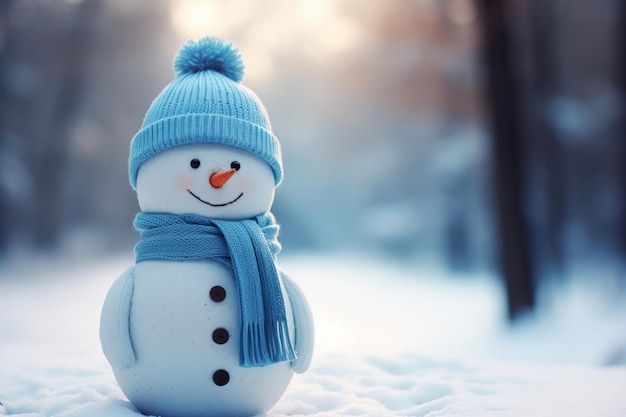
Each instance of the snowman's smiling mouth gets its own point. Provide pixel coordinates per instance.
(212, 204)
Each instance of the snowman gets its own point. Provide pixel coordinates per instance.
(204, 323)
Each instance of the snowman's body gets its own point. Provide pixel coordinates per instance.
(171, 328)
(185, 323)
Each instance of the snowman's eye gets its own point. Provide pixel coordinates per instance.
(235, 165)
(195, 163)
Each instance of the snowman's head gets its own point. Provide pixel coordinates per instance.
(206, 144)
(210, 180)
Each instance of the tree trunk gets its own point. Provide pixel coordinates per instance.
(5, 203)
(621, 53)
(545, 142)
(508, 153)
(54, 155)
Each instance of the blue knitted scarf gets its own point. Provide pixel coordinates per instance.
(249, 248)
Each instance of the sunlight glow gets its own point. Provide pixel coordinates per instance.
(192, 17)
(461, 11)
(311, 29)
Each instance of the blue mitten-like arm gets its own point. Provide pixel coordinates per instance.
(303, 324)
(115, 322)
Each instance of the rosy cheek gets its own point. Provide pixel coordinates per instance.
(185, 182)
(245, 184)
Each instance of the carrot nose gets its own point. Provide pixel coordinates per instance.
(218, 179)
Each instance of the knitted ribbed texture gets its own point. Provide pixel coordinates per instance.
(202, 105)
(249, 248)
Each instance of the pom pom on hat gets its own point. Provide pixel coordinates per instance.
(206, 103)
(210, 54)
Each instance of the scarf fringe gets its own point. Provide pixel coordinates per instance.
(265, 347)
(253, 346)
(281, 348)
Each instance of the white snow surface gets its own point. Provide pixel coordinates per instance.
(391, 340)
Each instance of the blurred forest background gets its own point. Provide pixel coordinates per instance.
(477, 135)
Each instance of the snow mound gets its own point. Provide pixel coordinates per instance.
(342, 385)
(393, 346)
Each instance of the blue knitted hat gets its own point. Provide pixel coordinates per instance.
(206, 103)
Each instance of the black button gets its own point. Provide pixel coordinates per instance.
(221, 378)
(220, 336)
(218, 294)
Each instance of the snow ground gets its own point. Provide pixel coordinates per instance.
(390, 341)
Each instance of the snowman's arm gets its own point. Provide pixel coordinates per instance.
(115, 322)
(303, 325)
